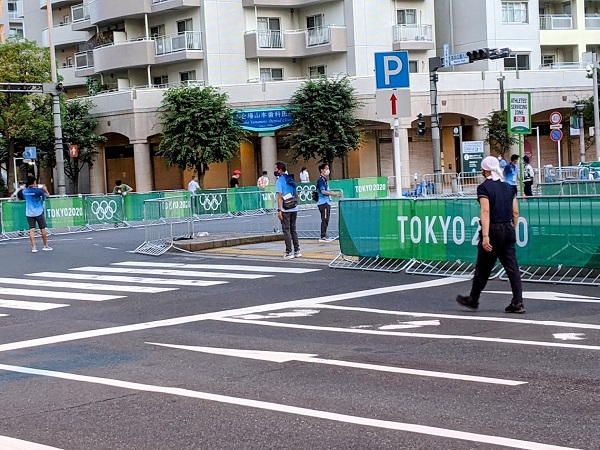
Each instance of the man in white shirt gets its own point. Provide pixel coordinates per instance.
(193, 185)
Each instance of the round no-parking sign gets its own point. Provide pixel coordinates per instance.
(556, 135)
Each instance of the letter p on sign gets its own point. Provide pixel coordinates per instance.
(391, 70)
(388, 62)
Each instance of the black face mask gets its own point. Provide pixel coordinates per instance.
(276, 173)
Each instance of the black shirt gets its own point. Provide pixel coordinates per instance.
(501, 197)
(234, 182)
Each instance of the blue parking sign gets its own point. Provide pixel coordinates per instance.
(391, 70)
(30, 153)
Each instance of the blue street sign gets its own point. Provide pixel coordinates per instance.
(264, 119)
(30, 153)
(391, 70)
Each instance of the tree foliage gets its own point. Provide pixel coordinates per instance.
(199, 128)
(588, 119)
(324, 125)
(21, 61)
(498, 137)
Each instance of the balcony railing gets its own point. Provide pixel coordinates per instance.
(556, 22)
(318, 36)
(563, 66)
(189, 40)
(84, 60)
(413, 33)
(80, 13)
(269, 38)
(592, 21)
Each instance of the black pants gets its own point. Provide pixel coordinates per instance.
(502, 239)
(290, 235)
(527, 188)
(325, 210)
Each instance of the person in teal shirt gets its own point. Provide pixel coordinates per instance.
(511, 172)
(34, 196)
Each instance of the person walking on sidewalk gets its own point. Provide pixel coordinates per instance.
(324, 202)
(35, 195)
(499, 214)
(287, 209)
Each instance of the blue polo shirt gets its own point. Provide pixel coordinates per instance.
(322, 186)
(34, 201)
(283, 188)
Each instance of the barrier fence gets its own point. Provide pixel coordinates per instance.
(440, 236)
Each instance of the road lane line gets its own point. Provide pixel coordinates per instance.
(85, 286)
(547, 323)
(61, 295)
(124, 279)
(407, 334)
(7, 443)
(295, 270)
(32, 306)
(282, 357)
(219, 314)
(289, 409)
(174, 273)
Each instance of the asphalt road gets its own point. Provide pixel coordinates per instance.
(246, 353)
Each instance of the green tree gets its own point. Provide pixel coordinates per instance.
(588, 119)
(324, 124)
(199, 129)
(21, 61)
(78, 128)
(498, 137)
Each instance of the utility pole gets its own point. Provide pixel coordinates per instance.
(434, 64)
(55, 95)
(596, 107)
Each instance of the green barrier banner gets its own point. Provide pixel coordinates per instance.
(374, 187)
(212, 201)
(13, 216)
(134, 205)
(65, 212)
(179, 203)
(244, 199)
(305, 191)
(550, 231)
(105, 209)
(268, 198)
(346, 186)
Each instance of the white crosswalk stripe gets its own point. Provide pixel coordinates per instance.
(85, 286)
(125, 279)
(59, 295)
(174, 273)
(293, 270)
(32, 306)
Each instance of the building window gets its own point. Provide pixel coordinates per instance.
(161, 81)
(514, 12)
(184, 25)
(271, 74)
(517, 62)
(406, 17)
(413, 66)
(547, 60)
(269, 32)
(69, 61)
(317, 71)
(190, 75)
(15, 32)
(157, 30)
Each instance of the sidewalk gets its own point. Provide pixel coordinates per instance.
(262, 245)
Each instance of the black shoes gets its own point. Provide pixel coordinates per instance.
(465, 300)
(518, 308)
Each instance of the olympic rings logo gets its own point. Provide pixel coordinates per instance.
(104, 209)
(211, 202)
(305, 193)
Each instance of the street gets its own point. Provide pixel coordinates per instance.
(102, 348)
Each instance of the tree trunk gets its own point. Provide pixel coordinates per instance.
(10, 175)
(201, 172)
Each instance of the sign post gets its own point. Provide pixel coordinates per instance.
(519, 121)
(392, 98)
(556, 134)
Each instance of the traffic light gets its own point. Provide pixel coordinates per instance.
(421, 130)
(478, 55)
(497, 53)
(53, 88)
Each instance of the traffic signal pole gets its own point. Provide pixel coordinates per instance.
(434, 64)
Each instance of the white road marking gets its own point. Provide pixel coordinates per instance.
(553, 296)
(7, 443)
(111, 248)
(289, 409)
(32, 306)
(165, 281)
(547, 323)
(217, 267)
(274, 315)
(174, 273)
(219, 314)
(416, 335)
(569, 336)
(61, 295)
(413, 324)
(85, 286)
(3, 315)
(281, 357)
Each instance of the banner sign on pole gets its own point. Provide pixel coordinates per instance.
(519, 112)
(472, 155)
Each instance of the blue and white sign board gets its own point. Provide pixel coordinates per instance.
(30, 153)
(264, 120)
(391, 70)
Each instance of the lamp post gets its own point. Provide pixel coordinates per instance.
(579, 107)
(501, 79)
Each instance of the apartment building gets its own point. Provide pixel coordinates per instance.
(11, 19)
(259, 51)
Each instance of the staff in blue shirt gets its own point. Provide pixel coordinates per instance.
(285, 187)
(511, 172)
(35, 195)
(324, 202)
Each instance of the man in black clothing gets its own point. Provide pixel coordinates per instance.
(499, 217)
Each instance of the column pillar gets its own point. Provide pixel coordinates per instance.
(98, 173)
(143, 167)
(268, 150)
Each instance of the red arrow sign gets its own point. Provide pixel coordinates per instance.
(393, 99)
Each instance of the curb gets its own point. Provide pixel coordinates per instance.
(215, 242)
